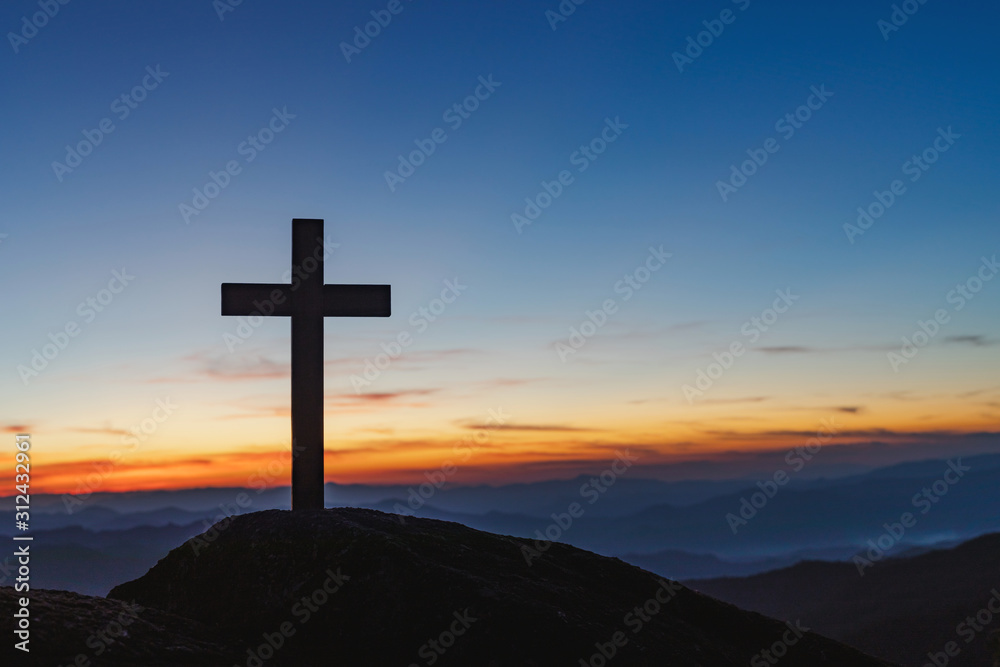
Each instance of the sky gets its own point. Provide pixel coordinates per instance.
(702, 232)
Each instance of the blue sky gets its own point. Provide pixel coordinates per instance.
(655, 185)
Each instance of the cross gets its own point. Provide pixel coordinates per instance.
(307, 301)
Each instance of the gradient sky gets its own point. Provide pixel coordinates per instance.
(495, 347)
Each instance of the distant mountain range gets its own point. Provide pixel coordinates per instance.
(938, 608)
(677, 529)
(798, 551)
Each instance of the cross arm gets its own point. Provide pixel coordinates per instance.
(260, 298)
(356, 301)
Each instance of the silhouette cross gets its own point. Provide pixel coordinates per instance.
(307, 301)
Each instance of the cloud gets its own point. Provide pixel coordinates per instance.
(975, 341)
(17, 428)
(437, 355)
(615, 332)
(805, 349)
(262, 411)
(407, 356)
(265, 406)
(978, 392)
(106, 430)
(727, 401)
(259, 364)
(875, 433)
(234, 367)
(382, 396)
(209, 365)
(555, 428)
(904, 395)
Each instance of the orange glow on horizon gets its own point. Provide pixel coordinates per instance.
(503, 456)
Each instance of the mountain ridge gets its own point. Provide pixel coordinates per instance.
(901, 608)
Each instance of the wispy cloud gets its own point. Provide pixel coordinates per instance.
(430, 356)
(729, 401)
(875, 433)
(269, 406)
(381, 396)
(807, 349)
(233, 367)
(208, 365)
(975, 341)
(978, 392)
(259, 364)
(555, 428)
(105, 430)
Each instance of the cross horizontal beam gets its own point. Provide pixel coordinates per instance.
(278, 300)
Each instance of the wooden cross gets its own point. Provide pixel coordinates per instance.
(307, 301)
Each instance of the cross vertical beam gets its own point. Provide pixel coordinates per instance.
(307, 367)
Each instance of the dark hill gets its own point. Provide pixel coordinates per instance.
(82, 631)
(360, 587)
(901, 609)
